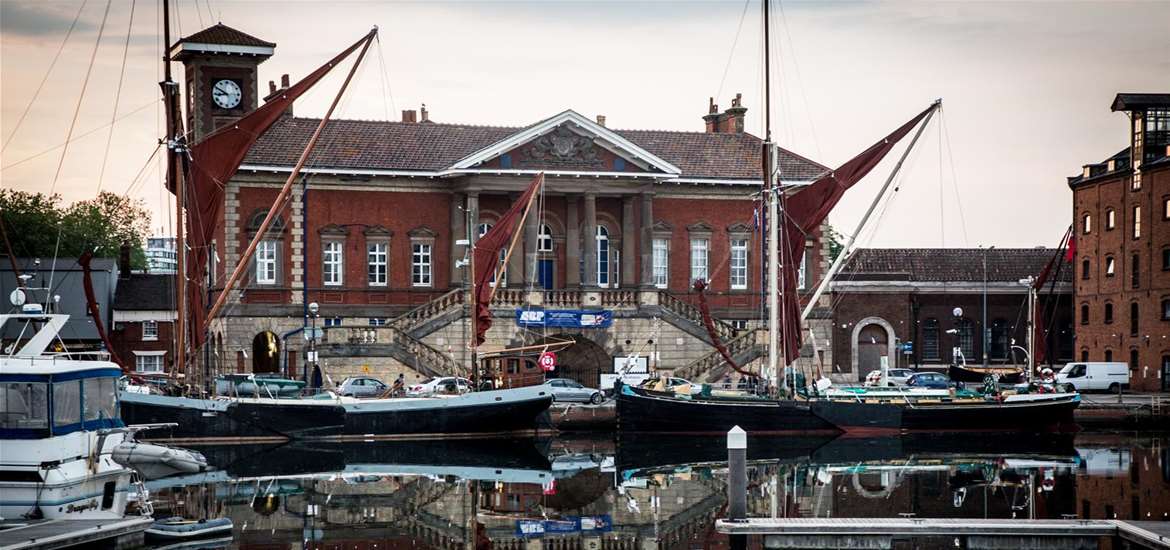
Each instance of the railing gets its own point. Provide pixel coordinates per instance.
(562, 298)
(510, 297)
(619, 298)
(421, 314)
(736, 346)
(691, 313)
(430, 360)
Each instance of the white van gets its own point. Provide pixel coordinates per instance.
(1095, 376)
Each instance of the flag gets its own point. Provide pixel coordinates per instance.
(487, 256)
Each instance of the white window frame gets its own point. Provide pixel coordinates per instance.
(661, 262)
(421, 264)
(1110, 266)
(480, 230)
(700, 253)
(603, 256)
(1137, 222)
(544, 239)
(1110, 219)
(1087, 224)
(738, 272)
(149, 331)
(155, 357)
(333, 262)
(266, 262)
(331, 322)
(802, 273)
(377, 321)
(377, 263)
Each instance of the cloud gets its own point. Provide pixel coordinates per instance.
(39, 19)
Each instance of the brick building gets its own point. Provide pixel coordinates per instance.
(144, 321)
(1121, 212)
(627, 220)
(887, 297)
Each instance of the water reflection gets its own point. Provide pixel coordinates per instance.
(649, 492)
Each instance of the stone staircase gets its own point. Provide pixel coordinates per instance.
(390, 341)
(744, 348)
(424, 319)
(682, 310)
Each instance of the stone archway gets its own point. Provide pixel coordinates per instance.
(873, 347)
(266, 353)
(584, 361)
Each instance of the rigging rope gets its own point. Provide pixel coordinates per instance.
(84, 85)
(77, 137)
(954, 175)
(731, 53)
(117, 97)
(45, 79)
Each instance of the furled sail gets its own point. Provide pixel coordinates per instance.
(1064, 252)
(805, 210)
(499, 239)
(214, 161)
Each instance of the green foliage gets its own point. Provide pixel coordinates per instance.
(835, 245)
(102, 224)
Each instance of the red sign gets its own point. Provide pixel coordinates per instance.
(548, 361)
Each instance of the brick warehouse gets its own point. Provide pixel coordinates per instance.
(629, 218)
(1121, 213)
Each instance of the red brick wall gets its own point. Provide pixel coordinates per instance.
(126, 337)
(1095, 337)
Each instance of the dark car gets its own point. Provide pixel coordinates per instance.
(930, 380)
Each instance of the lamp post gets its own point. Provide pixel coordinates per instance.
(311, 357)
(986, 329)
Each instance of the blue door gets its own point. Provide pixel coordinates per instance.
(546, 274)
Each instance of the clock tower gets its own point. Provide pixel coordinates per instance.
(221, 73)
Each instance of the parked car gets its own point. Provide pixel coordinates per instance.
(361, 386)
(896, 377)
(440, 385)
(931, 380)
(567, 390)
(1095, 376)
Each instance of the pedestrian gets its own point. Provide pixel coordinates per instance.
(399, 386)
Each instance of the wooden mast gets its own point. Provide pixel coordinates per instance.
(175, 181)
(241, 267)
(772, 219)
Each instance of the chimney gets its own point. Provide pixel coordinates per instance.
(733, 117)
(273, 92)
(712, 117)
(424, 117)
(408, 115)
(601, 120)
(124, 261)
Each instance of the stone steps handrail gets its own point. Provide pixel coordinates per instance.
(744, 342)
(430, 310)
(619, 298)
(686, 310)
(431, 361)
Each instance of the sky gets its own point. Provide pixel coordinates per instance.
(1026, 87)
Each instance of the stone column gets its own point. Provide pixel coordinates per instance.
(628, 265)
(646, 252)
(589, 230)
(531, 234)
(473, 214)
(516, 260)
(298, 245)
(458, 231)
(572, 243)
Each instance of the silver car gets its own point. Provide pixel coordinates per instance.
(362, 386)
(566, 390)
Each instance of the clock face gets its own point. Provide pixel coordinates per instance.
(226, 94)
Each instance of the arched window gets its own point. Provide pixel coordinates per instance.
(1135, 271)
(1108, 356)
(1166, 309)
(480, 231)
(602, 256)
(1086, 267)
(1110, 219)
(1084, 356)
(930, 350)
(1133, 319)
(544, 240)
(1084, 314)
(999, 339)
(966, 336)
(1110, 267)
(1108, 312)
(1086, 224)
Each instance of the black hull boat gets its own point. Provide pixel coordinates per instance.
(976, 375)
(1021, 413)
(478, 414)
(643, 411)
(653, 452)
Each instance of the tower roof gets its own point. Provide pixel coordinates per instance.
(221, 39)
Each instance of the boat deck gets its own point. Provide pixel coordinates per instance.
(62, 533)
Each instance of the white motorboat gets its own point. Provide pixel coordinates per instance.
(59, 426)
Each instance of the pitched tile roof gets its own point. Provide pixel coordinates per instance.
(145, 292)
(1129, 101)
(223, 34)
(1004, 265)
(382, 145)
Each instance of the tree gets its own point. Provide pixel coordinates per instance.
(34, 222)
(834, 239)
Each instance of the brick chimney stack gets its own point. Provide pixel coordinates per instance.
(424, 116)
(273, 92)
(409, 115)
(730, 121)
(124, 261)
(601, 120)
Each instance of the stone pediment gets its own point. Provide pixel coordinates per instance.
(662, 226)
(700, 227)
(422, 232)
(333, 230)
(377, 231)
(739, 227)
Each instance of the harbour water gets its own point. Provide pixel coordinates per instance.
(649, 493)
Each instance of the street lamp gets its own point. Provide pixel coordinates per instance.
(311, 358)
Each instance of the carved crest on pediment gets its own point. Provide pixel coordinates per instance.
(563, 145)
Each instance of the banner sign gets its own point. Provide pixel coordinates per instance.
(571, 524)
(564, 318)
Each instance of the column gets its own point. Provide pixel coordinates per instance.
(516, 259)
(572, 242)
(531, 230)
(628, 248)
(458, 231)
(647, 240)
(589, 230)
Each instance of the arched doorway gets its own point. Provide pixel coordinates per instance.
(584, 361)
(265, 353)
(873, 338)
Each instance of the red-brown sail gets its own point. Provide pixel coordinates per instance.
(804, 211)
(214, 161)
(1039, 327)
(487, 255)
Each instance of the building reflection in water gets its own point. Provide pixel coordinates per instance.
(486, 495)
